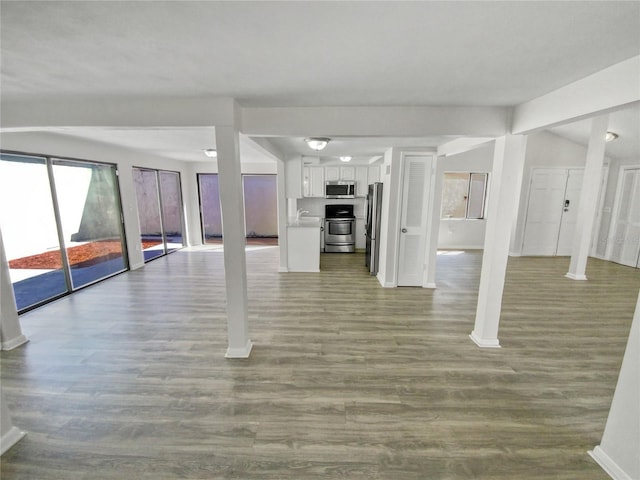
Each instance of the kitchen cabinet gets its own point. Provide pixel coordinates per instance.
(347, 173)
(362, 176)
(313, 182)
(332, 174)
(303, 244)
(338, 173)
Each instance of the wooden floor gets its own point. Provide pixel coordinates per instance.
(128, 380)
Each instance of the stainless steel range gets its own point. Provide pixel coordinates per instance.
(339, 229)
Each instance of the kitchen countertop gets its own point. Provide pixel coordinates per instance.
(304, 221)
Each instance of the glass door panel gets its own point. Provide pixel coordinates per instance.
(89, 206)
(260, 205)
(171, 201)
(210, 207)
(147, 194)
(29, 231)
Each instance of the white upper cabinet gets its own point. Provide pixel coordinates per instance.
(314, 178)
(348, 173)
(332, 174)
(362, 175)
(313, 181)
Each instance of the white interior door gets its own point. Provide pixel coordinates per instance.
(544, 211)
(413, 220)
(569, 212)
(625, 247)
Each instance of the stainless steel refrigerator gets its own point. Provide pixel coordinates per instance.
(372, 226)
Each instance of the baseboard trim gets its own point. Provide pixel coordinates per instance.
(608, 465)
(573, 276)
(484, 343)
(14, 342)
(429, 285)
(239, 352)
(10, 438)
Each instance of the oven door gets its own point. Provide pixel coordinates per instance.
(339, 230)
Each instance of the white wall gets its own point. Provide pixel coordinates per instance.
(463, 233)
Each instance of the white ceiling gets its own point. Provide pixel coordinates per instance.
(271, 53)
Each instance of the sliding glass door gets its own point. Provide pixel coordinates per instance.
(260, 207)
(90, 219)
(210, 212)
(159, 198)
(29, 230)
(171, 206)
(61, 225)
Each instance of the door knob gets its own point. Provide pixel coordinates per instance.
(404, 230)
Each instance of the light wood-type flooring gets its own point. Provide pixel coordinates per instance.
(347, 380)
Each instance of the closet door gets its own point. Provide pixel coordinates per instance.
(625, 247)
(544, 211)
(569, 212)
(413, 220)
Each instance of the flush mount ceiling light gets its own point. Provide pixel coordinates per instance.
(211, 152)
(317, 143)
(346, 158)
(610, 137)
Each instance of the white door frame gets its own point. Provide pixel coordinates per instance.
(616, 209)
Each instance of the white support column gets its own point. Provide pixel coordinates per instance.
(619, 451)
(192, 207)
(588, 199)
(433, 228)
(9, 435)
(282, 217)
(11, 335)
(235, 263)
(502, 208)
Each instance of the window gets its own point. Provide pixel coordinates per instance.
(463, 195)
(159, 200)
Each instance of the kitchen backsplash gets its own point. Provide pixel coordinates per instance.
(315, 206)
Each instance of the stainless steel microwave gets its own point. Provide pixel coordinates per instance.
(340, 189)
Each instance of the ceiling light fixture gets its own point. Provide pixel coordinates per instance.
(317, 143)
(346, 158)
(610, 137)
(211, 152)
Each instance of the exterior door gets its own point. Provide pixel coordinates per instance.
(569, 212)
(413, 220)
(544, 212)
(625, 248)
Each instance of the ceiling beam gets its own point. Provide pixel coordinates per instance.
(375, 121)
(119, 112)
(460, 145)
(604, 91)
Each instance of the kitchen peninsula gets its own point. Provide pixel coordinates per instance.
(303, 244)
